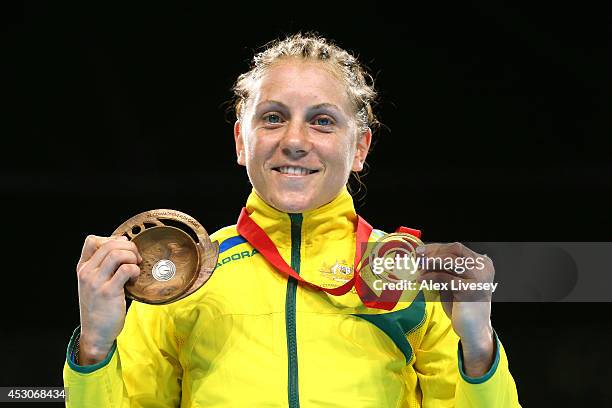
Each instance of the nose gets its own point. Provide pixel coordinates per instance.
(295, 143)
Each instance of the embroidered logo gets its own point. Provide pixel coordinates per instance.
(333, 275)
(236, 257)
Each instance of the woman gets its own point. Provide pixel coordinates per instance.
(253, 335)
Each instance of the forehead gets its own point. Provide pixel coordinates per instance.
(301, 83)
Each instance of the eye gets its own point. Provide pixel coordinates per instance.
(272, 118)
(323, 121)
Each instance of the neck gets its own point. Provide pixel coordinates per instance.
(333, 220)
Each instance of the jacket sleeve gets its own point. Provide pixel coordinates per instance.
(442, 380)
(141, 370)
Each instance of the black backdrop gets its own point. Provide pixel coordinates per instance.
(497, 129)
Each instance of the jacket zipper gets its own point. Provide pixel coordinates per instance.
(296, 243)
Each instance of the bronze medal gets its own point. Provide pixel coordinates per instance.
(178, 256)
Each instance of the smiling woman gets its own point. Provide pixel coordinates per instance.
(304, 114)
(282, 321)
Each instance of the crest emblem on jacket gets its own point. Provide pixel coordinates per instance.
(335, 274)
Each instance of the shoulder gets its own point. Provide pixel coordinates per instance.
(227, 238)
(224, 233)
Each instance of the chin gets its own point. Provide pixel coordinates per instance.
(294, 203)
(294, 206)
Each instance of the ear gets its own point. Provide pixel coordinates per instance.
(239, 144)
(363, 147)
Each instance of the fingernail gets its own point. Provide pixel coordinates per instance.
(123, 237)
(420, 249)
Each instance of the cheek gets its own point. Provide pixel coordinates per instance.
(250, 148)
(340, 156)
(254, 147)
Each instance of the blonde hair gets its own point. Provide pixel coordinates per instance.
(311, 47)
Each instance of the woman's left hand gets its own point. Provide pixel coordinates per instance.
(465, 280)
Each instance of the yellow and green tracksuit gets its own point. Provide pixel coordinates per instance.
(251, 337)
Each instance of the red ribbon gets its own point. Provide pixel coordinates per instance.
(258, 238)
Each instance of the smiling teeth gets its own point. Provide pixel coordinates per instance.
(298, 171)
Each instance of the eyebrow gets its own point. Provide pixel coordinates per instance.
(324, 106)
(285, 109)
(271, 104)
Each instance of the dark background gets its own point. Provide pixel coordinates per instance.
(497, 129)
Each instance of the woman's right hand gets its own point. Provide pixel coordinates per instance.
(106, 264)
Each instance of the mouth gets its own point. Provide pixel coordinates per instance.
(294, 170)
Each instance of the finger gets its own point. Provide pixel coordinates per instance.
(447, 283)
(111, 263)
(456, 249)
(441, 263)
(124, 273)
(97, 258)
(437, 277)
(91, 245)
(431, 264)
(443, 257)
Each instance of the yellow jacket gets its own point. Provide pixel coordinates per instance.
(251, 337)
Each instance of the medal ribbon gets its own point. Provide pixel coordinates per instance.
(258, 238)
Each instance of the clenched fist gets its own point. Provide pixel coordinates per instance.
(106, 264)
